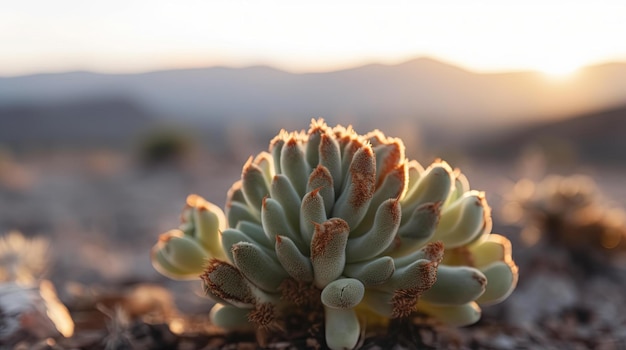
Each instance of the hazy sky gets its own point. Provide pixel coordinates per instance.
(140, 35)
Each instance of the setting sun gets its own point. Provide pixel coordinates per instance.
(560, 70)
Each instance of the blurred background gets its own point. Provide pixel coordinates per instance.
(112, 112)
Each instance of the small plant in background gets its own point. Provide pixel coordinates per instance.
(568, 211)
(574, 278)
(164, 147)
(342, 229)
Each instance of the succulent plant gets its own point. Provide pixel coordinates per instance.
(344, 223)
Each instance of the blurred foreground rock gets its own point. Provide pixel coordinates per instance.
(30, 313)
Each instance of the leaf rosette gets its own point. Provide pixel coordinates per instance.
(344, 223)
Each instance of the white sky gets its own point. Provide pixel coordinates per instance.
(139, 35)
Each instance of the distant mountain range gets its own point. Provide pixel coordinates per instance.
(425, 90)
(441, 102)
(598, 137)
(92, 123)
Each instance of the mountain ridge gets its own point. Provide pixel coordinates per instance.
(424, 90)
(598, 137)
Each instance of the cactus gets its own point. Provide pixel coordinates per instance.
(344, 224)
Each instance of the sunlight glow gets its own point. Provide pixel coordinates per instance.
(120, 36)
(560, 70)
